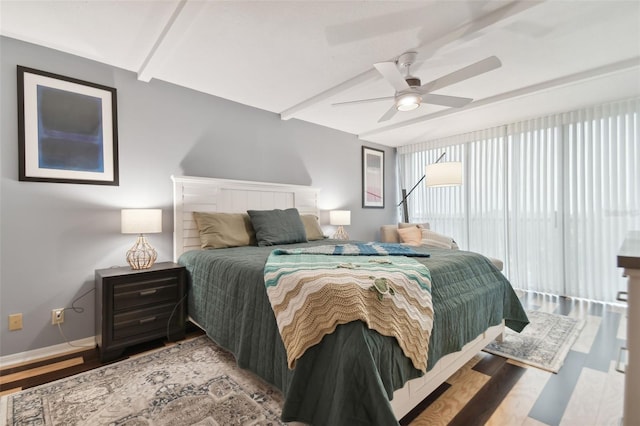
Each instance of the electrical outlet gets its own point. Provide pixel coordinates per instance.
(15, 322)
(57, 316)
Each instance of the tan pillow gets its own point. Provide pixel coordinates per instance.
(312, 227)
(389, 234)
(221, 230)
(411, 236)
(433, 239)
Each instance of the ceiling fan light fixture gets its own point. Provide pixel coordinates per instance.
(408, 101)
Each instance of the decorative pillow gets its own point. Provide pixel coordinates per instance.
(221, 230)
(410, 225)
(312, 227)
(277, 226)
(411, 235)
(389, 234)
(433, 239)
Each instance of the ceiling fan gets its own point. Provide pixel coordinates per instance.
(410, 93)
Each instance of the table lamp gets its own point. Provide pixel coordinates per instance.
(141, 221)
(340, 218)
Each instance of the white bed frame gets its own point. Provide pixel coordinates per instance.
(232, 196)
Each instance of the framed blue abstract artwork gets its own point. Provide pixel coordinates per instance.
(67, 129)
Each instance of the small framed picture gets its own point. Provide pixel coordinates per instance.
(67, 129)
(372, 177)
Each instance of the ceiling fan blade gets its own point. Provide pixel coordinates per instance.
(389, 114)
(450, 101)
(472, 70)
(362, 101)
(390, 72)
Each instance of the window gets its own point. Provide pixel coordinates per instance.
(553, 197)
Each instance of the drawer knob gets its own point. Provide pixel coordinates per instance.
(148, 292)
(145, 320)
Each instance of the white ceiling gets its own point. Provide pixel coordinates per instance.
(296, 58)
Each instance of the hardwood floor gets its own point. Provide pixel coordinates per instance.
(488, 390)
(587, 391)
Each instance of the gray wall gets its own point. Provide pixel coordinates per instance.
(55, 235)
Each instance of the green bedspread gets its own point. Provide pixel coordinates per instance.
(350, 376)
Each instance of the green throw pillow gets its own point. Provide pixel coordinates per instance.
(277, 226)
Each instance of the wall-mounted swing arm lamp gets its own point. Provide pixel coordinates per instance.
(437, 175)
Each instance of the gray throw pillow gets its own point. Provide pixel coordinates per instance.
(277, 226)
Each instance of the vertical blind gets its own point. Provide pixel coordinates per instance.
(553, 197)
(486, 187)
(534, 223)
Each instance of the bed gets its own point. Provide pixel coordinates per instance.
(354, 375)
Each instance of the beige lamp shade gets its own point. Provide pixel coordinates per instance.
(141, 221)
(444, 174)
(340, 217)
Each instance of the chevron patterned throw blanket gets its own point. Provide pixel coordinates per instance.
(312, 293)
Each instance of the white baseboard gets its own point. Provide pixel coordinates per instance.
(48, 352)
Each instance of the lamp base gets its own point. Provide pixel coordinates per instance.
(340, 234)
(141, 255)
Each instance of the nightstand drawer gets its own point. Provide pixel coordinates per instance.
(141, 321)
(145, 292)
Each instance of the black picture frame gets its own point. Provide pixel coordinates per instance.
(372, 178)
(67, 129)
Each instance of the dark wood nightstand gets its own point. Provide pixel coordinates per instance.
(135, 306)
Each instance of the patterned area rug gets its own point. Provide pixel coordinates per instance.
(192, 383)
(544, 343)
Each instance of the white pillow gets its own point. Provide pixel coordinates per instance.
(433, 239)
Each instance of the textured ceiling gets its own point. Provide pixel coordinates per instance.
(298, 58)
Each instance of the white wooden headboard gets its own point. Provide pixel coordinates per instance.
(201, 194)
